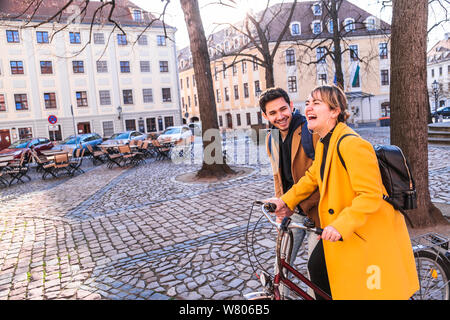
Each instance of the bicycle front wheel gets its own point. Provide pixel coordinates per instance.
(434, 275)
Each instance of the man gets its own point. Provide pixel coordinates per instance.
(290, 147)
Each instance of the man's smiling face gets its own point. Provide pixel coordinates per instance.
(279, 113)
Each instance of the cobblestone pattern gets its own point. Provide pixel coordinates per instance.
(138, 234)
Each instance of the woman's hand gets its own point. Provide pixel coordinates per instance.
(330, 234)
(282, 209)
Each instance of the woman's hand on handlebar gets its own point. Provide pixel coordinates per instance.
(282, 209)
(329, 233)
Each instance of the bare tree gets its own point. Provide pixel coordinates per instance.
(259, 32)
(409, 100)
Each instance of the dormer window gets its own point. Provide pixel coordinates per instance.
(349, 24)
(330, 26)
(316, 27)
(370, 23)
(137, 15)
(295, 28)
(317, 9)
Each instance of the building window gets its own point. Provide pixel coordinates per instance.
(317, 9)
(290, 57)
(353, 52)
(220, 121)
(50, 100)
(244, 67)
(81, 98)
(130, 124)
(127, 96)
(125, 66)
(317, 27)
(384, 77)
(320, 55)
(151, 124)
(295, 28)
(257, 88)
(193, 80)
(2, 102)
(349, 25)
(25, 133)
(432, 73)
(164, 66)
(145, 66)
(147, 95)
(102, 66)
(292, 84)
(142, 40)
(255, 64)
(189, 102)
(215, 73)
(168, 122)
(78, 66)
(75, 37)
(42, 36)
(440, 71)
(16, 67)
(330, 26)
(46, 67)
(108, 128)
(383, 50)
(187, 82)
(161, 41)
(166, 95)
(12, 36)
(21, 101)
(238, 119)
(236, 92)
(195, 100)
(249, 118)
(246, 94)
(322, 78)
(99, 38)
(217, 95)
(370, 24)
(181, 84)
(227, 96)
(122, 39)
(105, 97)
(234, 69)
(224, 70)
(137, 15)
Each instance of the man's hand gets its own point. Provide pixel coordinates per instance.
(282, 209)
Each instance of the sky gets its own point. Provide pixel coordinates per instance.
(212, 14)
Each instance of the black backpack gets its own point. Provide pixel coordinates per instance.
(396, 175)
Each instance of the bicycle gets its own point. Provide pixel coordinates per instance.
(433, 266)
(431, 253)
(283, 254)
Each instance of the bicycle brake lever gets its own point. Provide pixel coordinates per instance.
(285, 224)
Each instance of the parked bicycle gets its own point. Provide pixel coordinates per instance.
(430, 250)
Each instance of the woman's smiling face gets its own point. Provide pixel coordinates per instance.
(321, 118)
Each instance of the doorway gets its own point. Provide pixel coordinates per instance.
(84, 127)
(5, 139)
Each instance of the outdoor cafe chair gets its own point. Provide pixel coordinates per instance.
(45, 165)
(114, 159)
(75, 163)
(62, 163)
(18, 169)
(163, 150)
(96, 156)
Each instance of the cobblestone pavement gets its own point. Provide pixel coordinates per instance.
(138, 233)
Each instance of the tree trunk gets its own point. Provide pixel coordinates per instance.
(270, 79)
(409, 103)
(205, 89)
(337, 59)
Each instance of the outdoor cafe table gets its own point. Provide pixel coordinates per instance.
(50, 154)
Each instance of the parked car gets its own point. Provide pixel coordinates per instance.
(82, 140)
(442, 111)
(175, 134)
(125, 137)
(196, 128)
(18, 147)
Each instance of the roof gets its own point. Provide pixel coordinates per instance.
(303, 14)
(440, 51)
(39, 11)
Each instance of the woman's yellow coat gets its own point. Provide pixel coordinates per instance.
(375, 259)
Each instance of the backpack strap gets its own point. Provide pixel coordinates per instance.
(339, 153)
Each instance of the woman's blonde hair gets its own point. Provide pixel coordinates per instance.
(335, 98)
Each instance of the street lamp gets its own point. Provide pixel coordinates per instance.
(435, 86)
(119, 110)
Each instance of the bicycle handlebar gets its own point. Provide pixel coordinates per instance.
(267, 207)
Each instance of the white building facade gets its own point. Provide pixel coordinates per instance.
(98, 80)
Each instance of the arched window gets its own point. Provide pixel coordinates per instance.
(349, 24)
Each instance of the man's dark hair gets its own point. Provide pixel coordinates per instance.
(272, 94)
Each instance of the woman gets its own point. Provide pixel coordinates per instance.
(375, 258)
